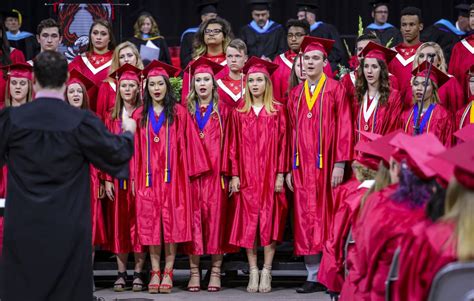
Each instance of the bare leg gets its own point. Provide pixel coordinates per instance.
(119, 285)
(194, 284)
(170, 255)
(137, 275)
(252, 287)
(266, 276)
(215, 281)
(154, 285)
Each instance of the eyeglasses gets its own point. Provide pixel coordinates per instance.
(296, 35)
(212, 31)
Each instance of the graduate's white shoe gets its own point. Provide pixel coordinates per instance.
(252, 287)
(265, 281)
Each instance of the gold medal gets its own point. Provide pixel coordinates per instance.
(201, 134)
(309, 115)
(156, 139)
(366, 127)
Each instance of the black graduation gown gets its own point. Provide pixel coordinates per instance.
(270, 44)
(385, 35)
(338, 54)
(442, 35)
(48, 145)
(159, 42)
(186, 47)
(29, 46)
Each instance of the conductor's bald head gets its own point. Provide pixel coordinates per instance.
(50, 70)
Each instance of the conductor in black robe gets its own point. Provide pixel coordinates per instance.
(307, 9)
(48, 146)
(264, 38)
(447, 34)
(207, 10)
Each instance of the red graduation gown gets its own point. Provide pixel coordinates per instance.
(441, 124)
(425, 250)
(281, 76)
(96, 68)
(167, 205)
(257, 149)
(220, 59)
(120, 214)
(331, 271)
(229, 90)
(348, 82)
(106, 99)
(451, 95)
(401, 67)
(99, 235)
(313, 203)
(209, 196)
(383, 120)
(16, 56)
(462, 58)
(463, 116)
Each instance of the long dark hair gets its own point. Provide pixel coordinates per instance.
(435, 207)
(5, 48)
(169, 102)
(362, 86)
(107, 24)
(412, 189)
(200, 47)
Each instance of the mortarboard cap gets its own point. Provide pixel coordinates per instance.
(127, 72)
(203, 65)
(75, 76)
(158, 68)
(462, 157)
(207, 6)
(436, 75)
(377, 51)
(259, 4)
(307, 6)
(255, 64)
(312, 43)
(462, 9)
(418, 151)
(380, 147)
(20, 70)
(377, 3)
(466, 133)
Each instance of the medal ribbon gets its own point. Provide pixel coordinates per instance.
(426, 117)
(202, 120)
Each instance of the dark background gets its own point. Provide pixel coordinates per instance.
(174, 16)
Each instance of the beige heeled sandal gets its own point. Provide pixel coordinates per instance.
(252, 287)
(265, 280)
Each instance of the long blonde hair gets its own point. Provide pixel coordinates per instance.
(116, 57)
(439, 56)
(193, 97)
(459, 207)
(117, 111)
(268, 101)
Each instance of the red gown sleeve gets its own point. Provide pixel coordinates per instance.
(230, 162)
(345, 130)
(283, 160)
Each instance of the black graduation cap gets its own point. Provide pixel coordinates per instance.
(376, 3)
(10, 13)
(207, 6)
(260, 4)
(463, 9)
(308, 5)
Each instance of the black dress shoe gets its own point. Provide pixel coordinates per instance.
(311, 287)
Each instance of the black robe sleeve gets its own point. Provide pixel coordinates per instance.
(106, 151)
(4, 130)
(338, 52)
(186, 50)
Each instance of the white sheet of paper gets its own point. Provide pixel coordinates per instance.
(2, 203)
(151, 45)
(148, 53)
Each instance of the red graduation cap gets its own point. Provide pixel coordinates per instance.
(158, 68)
(369, 135)
(76, 77)
(444, 170)
(462, 157)
(127, 72)
(256, 65)
(203, 65)
(436, 75)
(466, 133)
(20, 70)
(377, 51)
(312, 43)
(380, 147)
(418, 151)
(367, 159)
